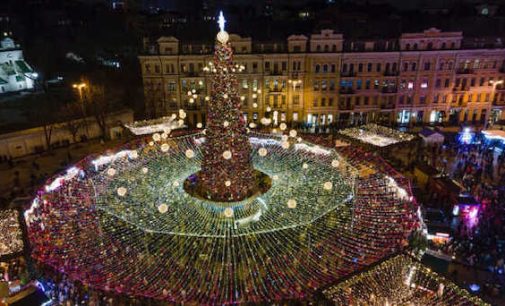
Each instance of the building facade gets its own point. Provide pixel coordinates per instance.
(324, 80)
(15, 73)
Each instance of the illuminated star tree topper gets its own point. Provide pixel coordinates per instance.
(222, 36)
(221, 21)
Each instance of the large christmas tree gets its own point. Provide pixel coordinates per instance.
(227, 173)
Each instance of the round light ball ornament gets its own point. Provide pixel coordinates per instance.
(163, 208)
(228, 212)
(165, 147)
(189, 153)
(227, 154)
(121, 191)
(111, 172)
(223, 37)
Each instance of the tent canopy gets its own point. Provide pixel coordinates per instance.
(430, 136)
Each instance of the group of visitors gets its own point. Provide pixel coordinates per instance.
(479, 167)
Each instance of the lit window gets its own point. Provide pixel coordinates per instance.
(410, 85)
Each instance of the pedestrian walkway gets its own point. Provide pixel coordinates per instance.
(24, 175)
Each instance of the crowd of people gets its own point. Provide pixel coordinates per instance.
(10, 233)
(479, 167)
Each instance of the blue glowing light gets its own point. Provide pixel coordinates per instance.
(474, 287)
(466, 137)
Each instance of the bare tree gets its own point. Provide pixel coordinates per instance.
(72, 113)
(98, 104)
(43, 114)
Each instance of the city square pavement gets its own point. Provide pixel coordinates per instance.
(23, 176)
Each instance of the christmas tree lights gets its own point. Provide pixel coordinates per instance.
(227, 173)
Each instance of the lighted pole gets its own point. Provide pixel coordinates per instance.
(80, 87)
(493, 94)
(293, 83)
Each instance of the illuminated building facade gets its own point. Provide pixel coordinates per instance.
(323, 80)
(15, 73)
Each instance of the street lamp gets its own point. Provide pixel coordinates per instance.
(495, 83)
(79, 87)
(493, 93)
(294, 83)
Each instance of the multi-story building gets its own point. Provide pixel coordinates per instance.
(430, 77)
(15, 73)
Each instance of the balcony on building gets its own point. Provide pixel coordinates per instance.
(345, 106)
(191, 74)
(387, 106)
(461, 88)
(275, 72)
(346, 91)
(269, 47)
(389, 89)
(275, 89)
(196, 49)
(347, 74)
(391, 73)
(464, 71)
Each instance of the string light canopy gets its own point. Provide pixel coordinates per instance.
(126, 222)
(400, 280)
(11, 240)
(159, 125)
(376, 135)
